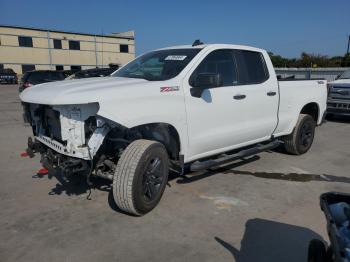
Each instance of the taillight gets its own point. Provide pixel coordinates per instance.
(27, 84)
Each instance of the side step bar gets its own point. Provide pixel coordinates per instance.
(196, 166)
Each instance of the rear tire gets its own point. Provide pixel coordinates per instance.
(300, 141)
(140, 177)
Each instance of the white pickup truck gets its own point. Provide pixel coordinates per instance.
(195, 106)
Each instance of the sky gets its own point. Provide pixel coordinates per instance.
(283, 27)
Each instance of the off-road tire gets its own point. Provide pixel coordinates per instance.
(130, 172)
(293, 142)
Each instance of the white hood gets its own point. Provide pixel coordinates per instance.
(79, 91)
(341, 82)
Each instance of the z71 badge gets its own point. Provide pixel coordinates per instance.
(169, 89)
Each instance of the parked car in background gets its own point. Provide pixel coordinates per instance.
(8, 76)
(40, 76)
(94, 72)
(339, 95)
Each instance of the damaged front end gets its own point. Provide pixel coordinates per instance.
(67, 137)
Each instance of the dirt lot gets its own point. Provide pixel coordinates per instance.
(262, 209)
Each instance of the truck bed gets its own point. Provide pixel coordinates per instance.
(294, 94)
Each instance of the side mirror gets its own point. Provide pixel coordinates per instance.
(205, 81)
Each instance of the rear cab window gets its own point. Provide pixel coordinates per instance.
(251, 67)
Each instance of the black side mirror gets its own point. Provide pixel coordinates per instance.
(205, 81)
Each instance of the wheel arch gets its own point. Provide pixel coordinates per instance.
(164, 133)
(312, 109)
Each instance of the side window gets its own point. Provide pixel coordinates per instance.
(75, 68)
(25, 41)
(218, 62)
(57, 44)
(26, 68)
(56, 76)
(124, 48)
(74, 45)
(251, 67)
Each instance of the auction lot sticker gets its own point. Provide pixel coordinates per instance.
(176, 57)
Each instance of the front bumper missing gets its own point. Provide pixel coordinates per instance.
(81, 152)
(53, 160)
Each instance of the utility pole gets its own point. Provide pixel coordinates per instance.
(347, 52)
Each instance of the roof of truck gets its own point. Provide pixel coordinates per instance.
(244, 47)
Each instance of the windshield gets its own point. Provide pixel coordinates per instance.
(158, 65)
(345, 75)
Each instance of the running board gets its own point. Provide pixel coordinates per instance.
(196, 166)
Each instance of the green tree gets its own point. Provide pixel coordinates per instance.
(346, 60)
(310, 60)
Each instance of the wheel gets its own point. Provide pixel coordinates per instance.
(316, 251)
(300, 141)
(140, 177)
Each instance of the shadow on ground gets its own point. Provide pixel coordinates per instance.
(230, 169)
(74, 184)
(77, 185)
(338, 119)
(266, 240)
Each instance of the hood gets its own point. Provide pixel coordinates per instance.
(341, 82)
(80, 91)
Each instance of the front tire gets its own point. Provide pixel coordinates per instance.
(300, 141)
(140, 177)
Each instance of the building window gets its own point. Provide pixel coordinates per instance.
(124, 48)
(74, 45)
(75, 68)
(26, 68)
(57, 44)
(25, 41)
(59, 67)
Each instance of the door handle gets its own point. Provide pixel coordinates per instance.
(271, 93)
(239, 97)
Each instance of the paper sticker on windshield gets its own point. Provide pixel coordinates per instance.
(176, 57)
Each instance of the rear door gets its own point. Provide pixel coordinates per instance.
(260, 91)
